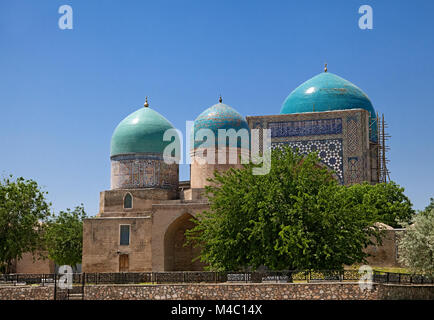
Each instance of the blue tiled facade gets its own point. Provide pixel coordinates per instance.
(330, 152)
(305, 128)
(340, 138)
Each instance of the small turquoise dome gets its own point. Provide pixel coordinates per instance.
(328, 92)
(140, 132)
(219, 116)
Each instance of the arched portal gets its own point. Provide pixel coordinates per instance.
(178, 257)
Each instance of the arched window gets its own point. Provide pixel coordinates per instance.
(128, 201)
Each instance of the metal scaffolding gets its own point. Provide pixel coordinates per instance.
(383, 174)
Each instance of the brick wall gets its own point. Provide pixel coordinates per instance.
(102, 249)
(385, 255)
(30, 264)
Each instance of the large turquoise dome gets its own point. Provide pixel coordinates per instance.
(328, 92)
(140, 132)
(219, 116)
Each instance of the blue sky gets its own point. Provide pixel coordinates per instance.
(62, 92)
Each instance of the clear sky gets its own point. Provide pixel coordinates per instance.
(62, 92)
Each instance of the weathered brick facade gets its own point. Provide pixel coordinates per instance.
(30, 263)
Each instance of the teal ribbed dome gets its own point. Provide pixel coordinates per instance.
(219, 116)
(328, 92)
(140, 132)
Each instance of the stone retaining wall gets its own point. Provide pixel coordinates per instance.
(282, 291)
(230, 292)
(401, 292)
(26, 293)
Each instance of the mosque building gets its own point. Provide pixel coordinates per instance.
(143, 217)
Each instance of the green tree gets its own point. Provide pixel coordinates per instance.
(416, 247)
(64, 236)
(23, 211)
(295, 217)
(382, 202)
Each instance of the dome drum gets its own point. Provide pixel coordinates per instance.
(137, 148)
(143, 171)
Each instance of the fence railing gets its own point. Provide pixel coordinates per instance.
(82, 279)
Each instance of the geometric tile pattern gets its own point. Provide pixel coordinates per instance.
(305, 127)
(330, 152)
(352, 135)
(142, 173)
(354, 170)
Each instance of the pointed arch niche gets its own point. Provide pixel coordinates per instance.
(128, 201)
(178, 257)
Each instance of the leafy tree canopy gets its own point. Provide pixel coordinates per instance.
(23, 211)
(64, 236)
(382, 202)
(295, 217)
(416, 247)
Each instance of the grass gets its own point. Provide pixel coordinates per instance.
(391, 269)
(382, 269)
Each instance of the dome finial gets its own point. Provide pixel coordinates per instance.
(146, 102)
(220, 99)
(325, 67)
